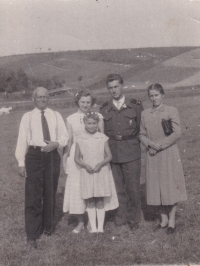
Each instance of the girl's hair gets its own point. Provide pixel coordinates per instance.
(92, 115)
(84, 93)
(157, 87)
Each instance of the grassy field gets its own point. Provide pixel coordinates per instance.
(119, 245)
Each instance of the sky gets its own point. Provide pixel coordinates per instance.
(32, 26)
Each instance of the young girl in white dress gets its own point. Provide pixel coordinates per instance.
(93, 155)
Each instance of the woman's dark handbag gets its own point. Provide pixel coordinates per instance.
(167, 127)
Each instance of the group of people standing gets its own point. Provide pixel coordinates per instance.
(101, 158)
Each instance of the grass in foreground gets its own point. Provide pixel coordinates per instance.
(119, 245)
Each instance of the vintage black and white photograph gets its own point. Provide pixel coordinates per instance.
(99, 132)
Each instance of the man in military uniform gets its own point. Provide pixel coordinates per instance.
(122, 123)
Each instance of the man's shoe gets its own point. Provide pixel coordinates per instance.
(32, 243)
(159, 227)
(47, 233)
(134, 226)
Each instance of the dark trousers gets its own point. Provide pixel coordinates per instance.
(43, 171)
(127, 182)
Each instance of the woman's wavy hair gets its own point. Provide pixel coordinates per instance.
(157, 87)
(84, 93)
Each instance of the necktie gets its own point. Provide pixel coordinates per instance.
(45, 127)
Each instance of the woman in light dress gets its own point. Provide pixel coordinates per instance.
(73, 203)
(165, 185)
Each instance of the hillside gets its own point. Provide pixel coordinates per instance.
(174, 66)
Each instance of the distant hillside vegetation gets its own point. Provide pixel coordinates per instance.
(76, 69)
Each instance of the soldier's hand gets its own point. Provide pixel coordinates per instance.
(22, 171)
(51, 145)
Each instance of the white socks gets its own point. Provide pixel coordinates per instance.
(92, 219)
(100, 219)
(100, 214)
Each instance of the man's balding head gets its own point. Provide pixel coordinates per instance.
(40, 98)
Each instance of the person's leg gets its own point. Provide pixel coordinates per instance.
(100, 213)
(164, 216)
(80, 225)
(172, 215)
(121, 213)
(33, 194)
(131, 173)
(92, 214)
(51, 176)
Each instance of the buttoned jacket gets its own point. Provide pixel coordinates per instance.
(123, 122)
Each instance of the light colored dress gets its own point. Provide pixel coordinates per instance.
(73, 203)
(165, 182)
(100, 184)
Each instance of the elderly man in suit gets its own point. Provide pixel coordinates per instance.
(41, 132)
(122, 124)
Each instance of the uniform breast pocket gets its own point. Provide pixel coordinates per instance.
(108, 123)
(130, 120)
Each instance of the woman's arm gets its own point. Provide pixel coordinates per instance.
(101, 124)
(108, 158)
(143, 137)
(78, 160)
(175, 120)
(67, 148)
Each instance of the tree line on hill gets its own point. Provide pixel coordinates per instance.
(18, 81)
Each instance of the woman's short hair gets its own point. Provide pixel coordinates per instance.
(84, 93)
(157, 87)
(113, 77)
(92, 115)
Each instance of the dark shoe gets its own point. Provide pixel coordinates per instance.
(170, 230)
(159, 227)
(32, 243)
(47, 233)
(134, 226)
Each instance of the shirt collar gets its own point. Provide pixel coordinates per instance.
(160, 108)
(47, 110)
(111, 105)
(120, 101)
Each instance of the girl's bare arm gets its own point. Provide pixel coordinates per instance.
(79, 161)
(107, 159)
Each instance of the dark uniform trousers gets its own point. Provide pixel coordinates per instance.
(122, 127)
(43, 171)
(127, 183)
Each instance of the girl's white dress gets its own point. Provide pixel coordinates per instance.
(73, 203)
(100, 184)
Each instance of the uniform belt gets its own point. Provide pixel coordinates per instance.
(121, 137)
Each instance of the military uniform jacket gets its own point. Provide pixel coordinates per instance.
(124, 122)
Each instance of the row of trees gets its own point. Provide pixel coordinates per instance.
(19, 81)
